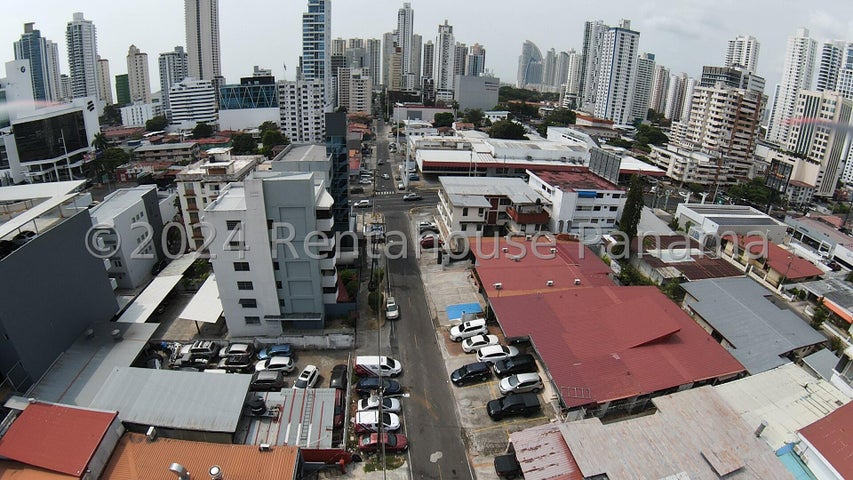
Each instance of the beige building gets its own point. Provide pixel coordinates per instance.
(355, 90)
(137, 75)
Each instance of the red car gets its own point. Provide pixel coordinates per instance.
(339, 408)
(394, 442)
(430, 241)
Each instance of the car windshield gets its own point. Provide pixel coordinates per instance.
(386, 419)
(301, 383)
(392, 308)
(513, 381)
(391, 440)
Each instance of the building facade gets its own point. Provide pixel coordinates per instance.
(316, 48)
(355, 90)
(192, 102)
(445, 66)
(642, 87)
(249, 104)
(660, 86)
(82, 46)
(743, 51)
(797, 73)
(43, 55)
(530, 66)
(174, 68)
(593, 38)
(137, 114)
(105, 85)
(123, 90)
(302, 110)
(616, 74)
(137, 75)
(476, 61)
(201, 19)
(578, 201)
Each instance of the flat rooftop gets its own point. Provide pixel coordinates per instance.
(32, 201)
(119, 201)
(516, 189)
(165, 146)
(819, 230)
(303, 152)
(231, 199)
(305, 419)
(723, 210)
(577, 178)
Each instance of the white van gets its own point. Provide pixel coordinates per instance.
(368, 421)
(373, 366)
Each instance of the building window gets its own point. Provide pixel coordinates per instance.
(248, 303)
(278, 284)
(465, 212)
(241, 266)
(253, 320)
(236, 245)
(232, 224)
(275, 265)
(245, 286)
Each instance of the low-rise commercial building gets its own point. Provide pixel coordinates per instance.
(711, 223)
(137, 114)
(175, 153)
(577, 199)
(248, 104)
(476, 91)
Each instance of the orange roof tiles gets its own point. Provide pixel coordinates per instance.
(785, 262)
(136, 458)
(832, 436)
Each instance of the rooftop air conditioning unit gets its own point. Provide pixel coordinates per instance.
(529, 237)
(151, 434)
(553, 250)
(504, 249)
(516, 258)
(549, 283)
(498, 286)
(577, 281)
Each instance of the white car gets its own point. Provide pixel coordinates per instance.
(468, 329)
(392, 310)
(284, 364)
(391, 405)
(493, 353)
(386, 176)
(520, 382)
(362, 204)
(471, 345)
(307, 379)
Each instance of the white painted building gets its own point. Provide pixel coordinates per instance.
(616, 73)
(578, 200)
(717, 221)
(138, 78)
(201, 19)
(268, 284)
(174, 68)
(192, 102)
(301, 109)
(82, 48)
(643, 86)
(316, 49)
(355, 90)
(444, 68)
(743, 50)
(137, 114)
(797, 73)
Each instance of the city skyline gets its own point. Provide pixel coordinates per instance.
(668, 30)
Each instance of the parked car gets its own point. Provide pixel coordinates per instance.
(338, 378)
(523, 404)
(468, 329)
(307, 378)
(368, 385)
(338, 419)
(279, 350)
(524, 363)
(394, 442)
(368, 421)
(413, 177)
(411, 197)
(385, 176)
(374, 365)
(204, 349)
(392, 310)
(493, 353)
(472, 344)
(237, 363)
(365, 203)
(365, 181)
(284, 364)
(391, 405)
(507, 466)
(267, 381)
(520, 383)
(471, 373)
(431, 240)
(401, 186)
(427, 227)
(237, 349)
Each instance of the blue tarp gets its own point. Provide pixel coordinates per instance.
(793, 463)
(455, 312)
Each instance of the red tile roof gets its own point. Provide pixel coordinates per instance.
(530, 274)
(56, 437)
(785, 262)
(576, 178)
(832, 436)
(543, 454)
(608, 343)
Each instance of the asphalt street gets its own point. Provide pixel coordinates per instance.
(437, 450)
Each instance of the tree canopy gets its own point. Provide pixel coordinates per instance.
(443, 119)
(650, 135)
(243, 144)
(100, 141)
(108, 160)
(473, 115)
(633, 208)
(561, 117)
(508, 93)
(156, 124)
(202, 130)
(754, 192)
(507, 129)
(273, 138)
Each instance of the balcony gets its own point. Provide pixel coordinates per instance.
(330, 298)
(328, 263)
(325, 224)
(525, 218)
(330, 280)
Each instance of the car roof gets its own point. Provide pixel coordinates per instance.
(279, 359)
(267, 375)
(491, 349)
(471, 367)
(475, 322)
(527, 377)
(308, 369)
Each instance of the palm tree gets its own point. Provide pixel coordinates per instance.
(100, 142)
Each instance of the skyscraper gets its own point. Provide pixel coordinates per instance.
(44, 63)
(561, 69)
(833, 59)
(373, 62)
(571, 93)
(675, 96)
(316, 56)
(593, 36)
(417, 50)
(123, 90)
(137, 75)
(616, 73)
(445, 63)
(530, 67)
(660, 85)
(201, 19)
(105, 84)
(460, 59)
(476, 60)
(797, 75)
(743, 51)
(549, 67)
(389, 43)
(643, 86)
(428, 60)
(174, 68)
(82, 46)
(405, 34)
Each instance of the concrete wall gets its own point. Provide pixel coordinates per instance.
(247, 118)
(51, 289)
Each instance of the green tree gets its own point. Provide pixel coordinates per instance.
(267, 126)
(156, 124)
(633, 209)
(507, 129)
(111, 116)
(244, 144)
(753, 192)
(473, 115)
(821, 314)
(272, 138)
(443, 119)
(100, 142)
(561, 117)
(202, 130)
(106, 162)
(650, 135)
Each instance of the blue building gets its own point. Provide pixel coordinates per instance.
(252, 92)
(44, 63)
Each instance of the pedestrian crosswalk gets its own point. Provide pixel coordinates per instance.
(385, 193)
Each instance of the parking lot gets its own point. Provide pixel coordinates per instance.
(484, 437)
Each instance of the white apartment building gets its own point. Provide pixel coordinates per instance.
(302, 111)
(192, 102)
(692, 166)
(797, 73)
(105, 83)
(578, 200)
(616, 72)
(137, 114)
(643, 86)
(201, 19)
(831, 56)
(593, 39)
(316, 47)
(824, 144)
(273, 270)
(660, 86)
(793, 175)
(743, 51)
(82, 47)
(125, 214)
(137, 75)
(355, 90)
(174, 68)
(200, 184)
(443, 71)
(571, 93)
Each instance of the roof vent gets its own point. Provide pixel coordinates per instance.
(577, 281)
(180, 471)
(529, 237)
(215, 473)
(264, 447)
(498, 286)
(90, 333)
(151, 434)
(504, 249)
(116, 334)
(760, 429)
(553, 250)
(549, 283)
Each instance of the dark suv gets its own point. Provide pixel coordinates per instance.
(524, 363)
(521, 404)
(507, 466)
(471, 373)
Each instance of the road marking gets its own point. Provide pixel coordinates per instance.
(435, 456)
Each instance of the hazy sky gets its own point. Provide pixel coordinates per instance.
(683, 34)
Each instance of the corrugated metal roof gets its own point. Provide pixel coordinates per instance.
(304, 419)
(543, 454)
(135, 458)
(175, 399)
(822, 362)
(19, 471)
(608, 343)
(759, 331)
(787, 398)
(205, 306)
(55, 437)
(692, 431)
(832, 436)
(147, 301)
